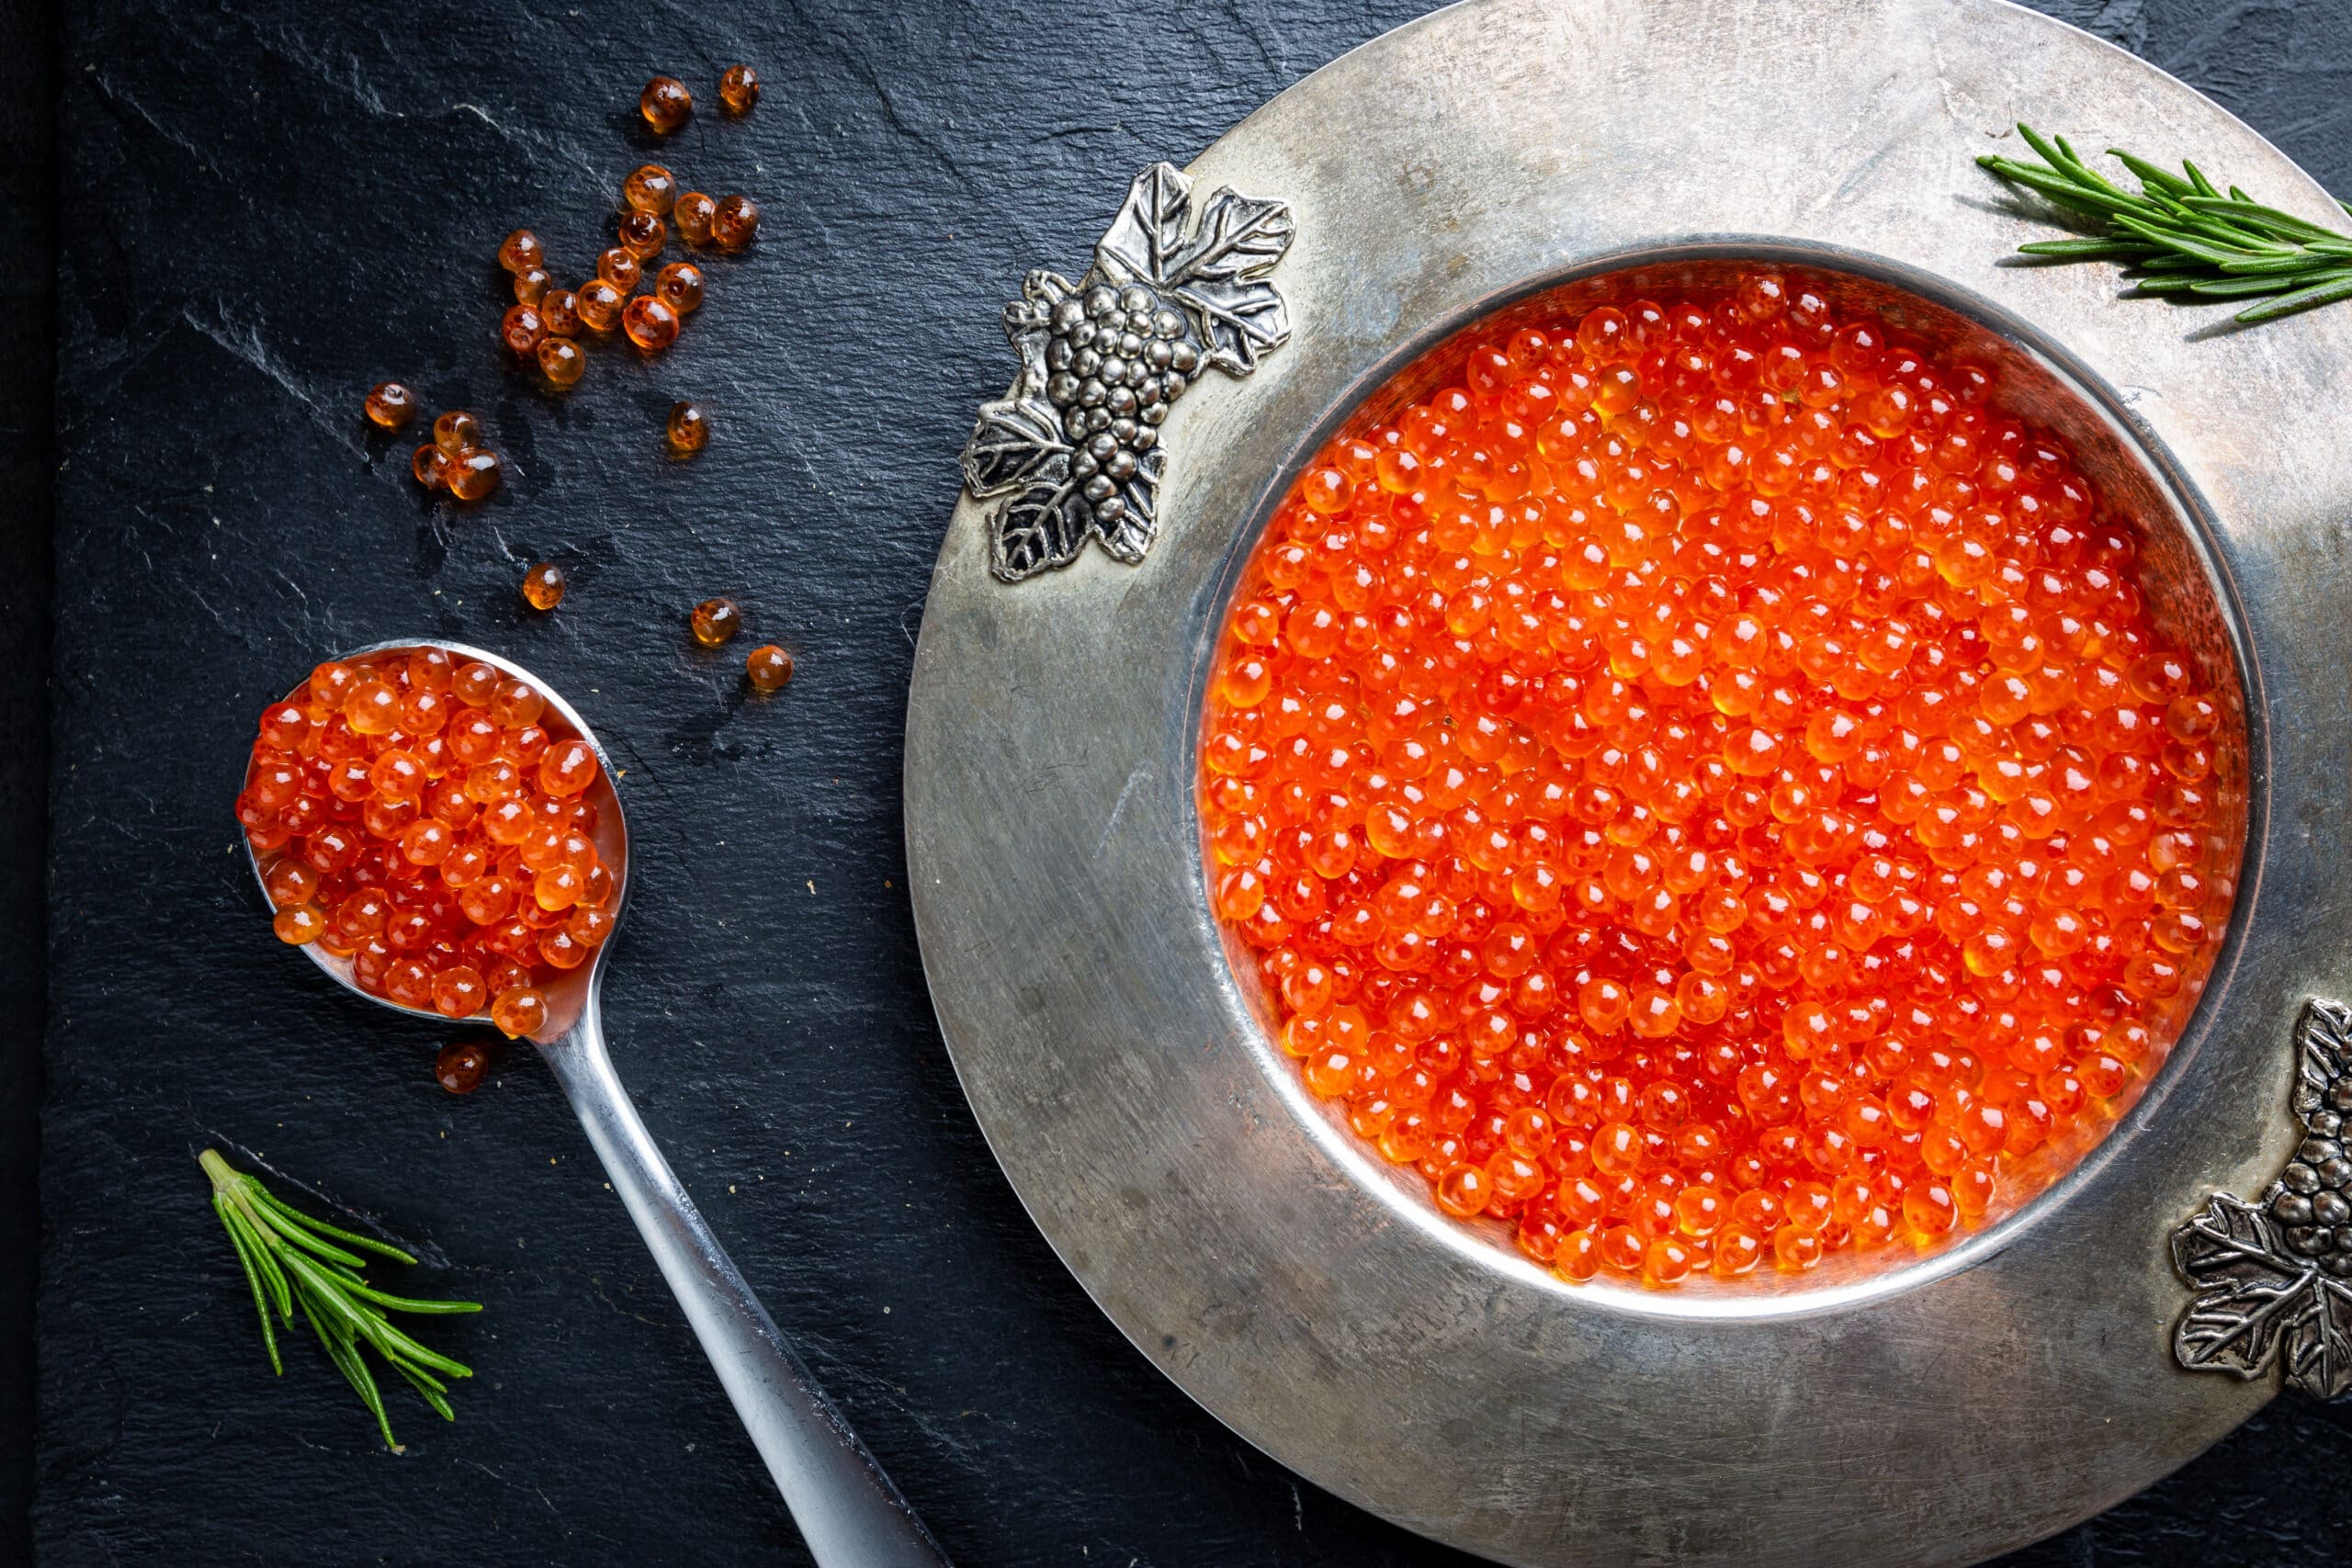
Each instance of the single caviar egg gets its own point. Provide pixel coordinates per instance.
(390, 405)
(768, 667)
(519, 250)
(735, 222)
(473, 474)
(642, 234)
(651, 324)
(616, 266)
(522, 329)
(713, 621)
(559, 308)
(598, 305)
(693, 214)
(679, 285)
(519, 1011)
(665, 103)
(688, 428)
(543, 585)
(739, 88)
(459, 1067)
(650, 188)
(430, 463)
(456, 429)
(1702, 781)
(531, 285)
(561, 361)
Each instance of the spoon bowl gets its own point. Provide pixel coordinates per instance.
(847, 1508)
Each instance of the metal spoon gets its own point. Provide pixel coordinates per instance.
(846, 1508)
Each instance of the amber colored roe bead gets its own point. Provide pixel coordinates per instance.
(616, 266)
(735, 222)
(519, 1011)
(598, 304)
(520, 250)
(459, 1067)
(693, 215)
(456, 429)
(543, 586)
(473, 474)
(430, 463)
(768, 667)
(665, 103)
(391, 405)
(531, 285)
(679, 285)
(650, 188)
(688, 429)
(713, 621)
(739, 88)
(651, 324)
(522, 329)
(642, 234)
(560, 360)
(559, 308)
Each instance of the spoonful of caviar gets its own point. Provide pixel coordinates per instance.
(440, 833)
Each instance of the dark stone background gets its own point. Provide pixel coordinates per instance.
(263, 206)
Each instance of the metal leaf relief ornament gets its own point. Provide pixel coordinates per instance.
(2273, 1278)
(1074, 443)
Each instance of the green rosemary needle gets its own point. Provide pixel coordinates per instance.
(292, 1259)
(2180, 236)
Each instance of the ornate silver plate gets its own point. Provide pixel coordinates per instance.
(1938, 1412)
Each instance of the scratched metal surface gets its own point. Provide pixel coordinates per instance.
(267, 207)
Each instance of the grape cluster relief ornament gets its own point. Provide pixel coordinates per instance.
(1073, 445)
(2273, 1278)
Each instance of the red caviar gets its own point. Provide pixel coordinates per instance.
(412, 813)
(1703, 786)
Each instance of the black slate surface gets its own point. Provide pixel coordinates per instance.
(267, 206)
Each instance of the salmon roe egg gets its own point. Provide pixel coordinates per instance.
(428, 821)
(1703, 783)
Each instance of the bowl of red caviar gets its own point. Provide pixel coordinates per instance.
(1634, 926)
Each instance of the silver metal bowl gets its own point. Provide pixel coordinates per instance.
(1938, 1412)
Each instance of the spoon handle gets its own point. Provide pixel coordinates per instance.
(848, 1511)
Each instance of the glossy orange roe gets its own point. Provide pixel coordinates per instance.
(417, 816)
(1703, 787)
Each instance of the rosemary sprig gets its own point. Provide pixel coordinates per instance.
(2181, 236)
(292, 1259)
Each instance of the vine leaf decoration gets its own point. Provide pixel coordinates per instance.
(2273, 1278)
(1073, 445)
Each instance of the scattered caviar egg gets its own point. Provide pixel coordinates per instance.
(456, 429)
(391, 405)
(559, 308)
(473, 473)
(531, 285)
(665, 103)
(522, 329)
(543, 586)
(713, 621)
(768, 667)
(693, 215)
(650, 188)
(642, 234)
(688, 428)
(519, 250)
(598, 305)
(651, 324)
(618, 268)
(739, 88)
(734, 223)
(560, 360)
(430, 463)
(427, 820)
(459, 1067)
(1729, 763)
(679, 285)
